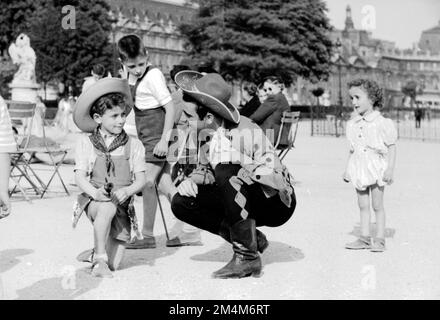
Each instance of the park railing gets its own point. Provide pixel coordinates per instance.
(332, 120)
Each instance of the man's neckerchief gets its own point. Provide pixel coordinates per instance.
(98, 142)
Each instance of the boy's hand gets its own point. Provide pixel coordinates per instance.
(161, 148)
(388, 176)
(101, 195)
(188, 188)
(345, 177)
(120, 196)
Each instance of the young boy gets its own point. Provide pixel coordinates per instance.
(154, 118)
(7, 144)
(111, 158)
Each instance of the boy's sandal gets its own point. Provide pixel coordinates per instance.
(101, 269)
(86, 256)
(4, 213)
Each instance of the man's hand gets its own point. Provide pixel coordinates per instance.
(388, 176)
(161, 148)
(120, 196)
(188, 188)
(101, 195)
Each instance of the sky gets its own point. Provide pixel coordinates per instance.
(401, 21)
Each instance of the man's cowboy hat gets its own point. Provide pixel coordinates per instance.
(81, 114)
(209, 90)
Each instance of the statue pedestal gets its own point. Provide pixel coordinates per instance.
(24, 91)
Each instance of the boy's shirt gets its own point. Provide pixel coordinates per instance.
(152, 91)
(85, 155)
(7, 141)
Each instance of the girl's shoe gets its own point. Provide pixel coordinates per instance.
(361, 243)
(100, 269)
(378, 245)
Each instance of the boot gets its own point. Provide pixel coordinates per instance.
(246, 261)
(262, 242)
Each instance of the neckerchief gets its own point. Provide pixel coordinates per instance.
(98, 142)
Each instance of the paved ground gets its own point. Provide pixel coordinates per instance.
(305, 260)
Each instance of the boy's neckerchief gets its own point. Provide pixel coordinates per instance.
(98, 142)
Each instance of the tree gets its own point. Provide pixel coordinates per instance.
(317, 92)
(14, 19)
(248, 40)
(68, 54)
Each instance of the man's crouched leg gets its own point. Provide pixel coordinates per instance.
(246, 261)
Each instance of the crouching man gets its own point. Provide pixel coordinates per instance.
(250, 187)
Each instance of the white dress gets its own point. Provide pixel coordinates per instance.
(369, 137)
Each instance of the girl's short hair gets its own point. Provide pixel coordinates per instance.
(374, 92)
(130, 47)
(107, 102)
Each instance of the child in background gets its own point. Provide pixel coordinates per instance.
(154, 119)
(7, 144)
(371, 160)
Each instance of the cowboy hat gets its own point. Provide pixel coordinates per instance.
(211, 91)
(81, 114)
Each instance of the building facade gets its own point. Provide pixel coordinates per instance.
(361, 56)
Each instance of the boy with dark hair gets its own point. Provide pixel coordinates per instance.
(154, 118)
(110, 158)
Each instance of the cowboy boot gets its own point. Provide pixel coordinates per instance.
(225, 233)
(246, 261)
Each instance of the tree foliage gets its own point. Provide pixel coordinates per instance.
(248, 40)
(68, 54)
(15, 17)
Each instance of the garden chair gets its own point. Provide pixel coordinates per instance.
(287, 134)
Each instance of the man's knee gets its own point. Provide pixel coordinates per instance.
(182, 206)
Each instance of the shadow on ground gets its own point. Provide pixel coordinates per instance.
(389, 232)
(140, 257)
(8, 258)
(276, 252)
(67, 287)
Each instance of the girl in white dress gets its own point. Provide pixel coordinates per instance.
(371, 159)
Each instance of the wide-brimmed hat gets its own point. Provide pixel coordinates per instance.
(211, 91)
(81, 114)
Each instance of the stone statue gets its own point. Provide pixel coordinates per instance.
(22, 54)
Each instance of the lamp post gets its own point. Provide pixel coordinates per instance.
(339, 107)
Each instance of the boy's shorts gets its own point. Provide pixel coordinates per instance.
(149, 126)
(121, 227)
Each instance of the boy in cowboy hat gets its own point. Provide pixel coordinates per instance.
(252, 188)
(110, 158)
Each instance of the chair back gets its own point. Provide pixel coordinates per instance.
(22, 114)
(288, 129)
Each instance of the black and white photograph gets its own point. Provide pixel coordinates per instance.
(219, 155)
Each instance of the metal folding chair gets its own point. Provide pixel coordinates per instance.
(287, 134)
(22, 114)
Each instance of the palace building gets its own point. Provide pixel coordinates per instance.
(361, 55)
